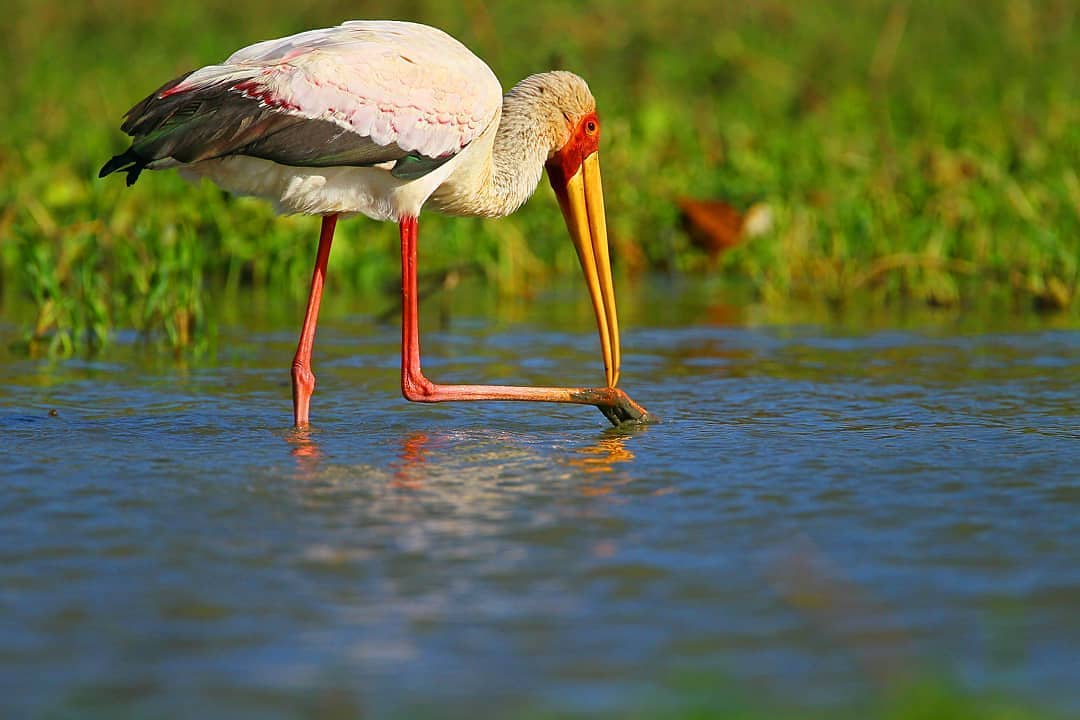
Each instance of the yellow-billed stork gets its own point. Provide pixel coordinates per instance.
(381, 119)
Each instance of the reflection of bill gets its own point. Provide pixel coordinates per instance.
(603, 456)
(599, 461)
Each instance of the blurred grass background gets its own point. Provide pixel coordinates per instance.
(920, 151)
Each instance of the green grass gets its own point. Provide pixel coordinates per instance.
(922, 151)
(708, 696)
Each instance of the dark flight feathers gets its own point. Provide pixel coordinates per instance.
(217, 121)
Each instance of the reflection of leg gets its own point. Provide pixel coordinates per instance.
(303, 380)
(614, 403)
(409, 470)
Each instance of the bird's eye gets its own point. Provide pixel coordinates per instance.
(590, 127)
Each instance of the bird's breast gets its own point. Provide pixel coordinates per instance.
(371, 191)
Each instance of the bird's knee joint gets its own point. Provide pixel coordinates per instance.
(302, 377)
(417, 388)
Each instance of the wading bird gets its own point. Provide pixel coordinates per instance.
(383, 119)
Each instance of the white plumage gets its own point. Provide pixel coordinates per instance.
(397, 83)
(394, 83)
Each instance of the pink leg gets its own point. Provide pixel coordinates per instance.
(614, 403)
(303, 380)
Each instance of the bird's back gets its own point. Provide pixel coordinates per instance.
(359, 94)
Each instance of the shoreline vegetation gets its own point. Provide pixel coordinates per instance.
(902, 152)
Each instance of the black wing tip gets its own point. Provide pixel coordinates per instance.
(128, 161)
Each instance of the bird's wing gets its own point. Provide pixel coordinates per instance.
(362, 93)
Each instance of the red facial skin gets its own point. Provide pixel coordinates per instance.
(568, 159)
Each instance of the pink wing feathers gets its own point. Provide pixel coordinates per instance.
(397, 83)
(362, 93)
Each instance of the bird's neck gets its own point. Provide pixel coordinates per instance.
(504, 167)
(521, 148)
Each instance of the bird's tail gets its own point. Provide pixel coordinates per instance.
(129, 162)
(140, 121)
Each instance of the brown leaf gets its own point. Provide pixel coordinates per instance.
(715, 226)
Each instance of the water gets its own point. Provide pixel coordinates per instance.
(831, 510)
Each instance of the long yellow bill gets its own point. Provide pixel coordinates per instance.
(582, 205)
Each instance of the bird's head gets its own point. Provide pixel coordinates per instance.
(573, 167)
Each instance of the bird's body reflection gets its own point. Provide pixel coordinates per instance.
(424, 460)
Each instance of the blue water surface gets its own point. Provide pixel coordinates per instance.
(829, 513)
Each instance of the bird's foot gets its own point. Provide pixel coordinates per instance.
(618, 407)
